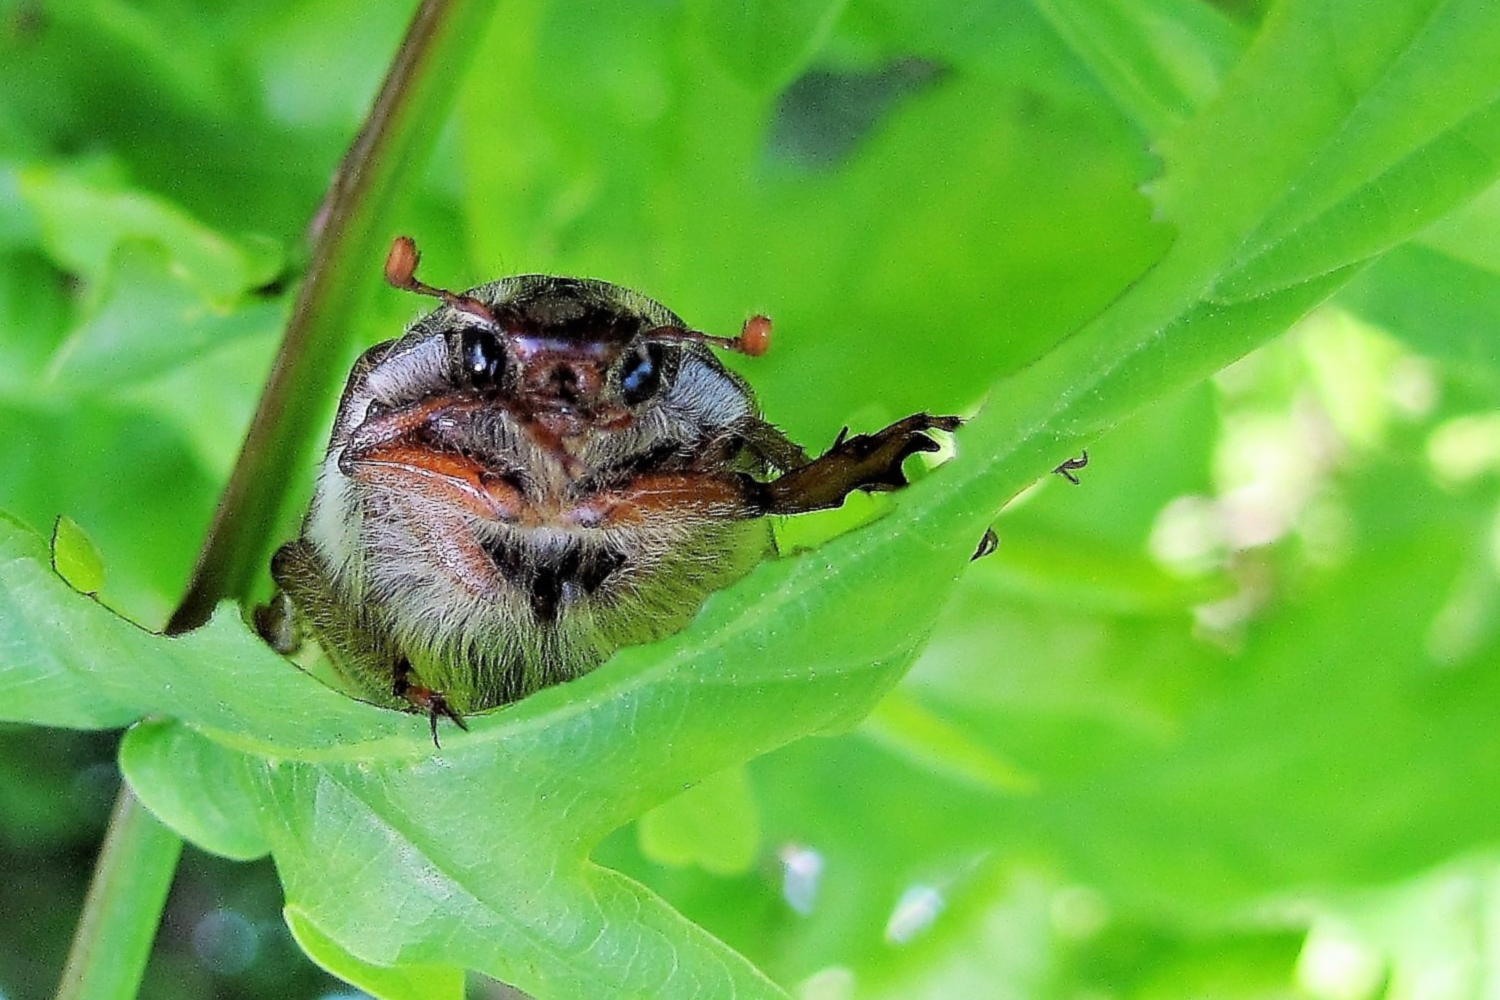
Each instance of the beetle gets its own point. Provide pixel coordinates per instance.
(541, 471)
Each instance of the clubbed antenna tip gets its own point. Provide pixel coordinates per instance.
(754, 339)
(401, 272)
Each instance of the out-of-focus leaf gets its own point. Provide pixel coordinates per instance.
(946, 287)
(1442, 306)
(34, 316)
(712, 825)
(210, 397)
(1160, 60)
(1088, 577)
(1426, 929)
(1352, 786)
(83, 222)
(148, 319)
(129, 477)
(904, 726)
(178, 51)
(764, 43)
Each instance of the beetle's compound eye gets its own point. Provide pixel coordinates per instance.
(640, 374)
(483, 357)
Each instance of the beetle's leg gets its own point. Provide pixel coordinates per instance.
(277, 623)
(988, 543)
(1071, 466)
(433, 703)
(862, 462)
(778, 450)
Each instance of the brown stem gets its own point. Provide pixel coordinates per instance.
(400, 129)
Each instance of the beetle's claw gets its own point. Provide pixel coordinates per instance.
(878, 457)
(1071, 466)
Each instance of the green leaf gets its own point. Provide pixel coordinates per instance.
(83, 221)
(1439, 304)
(983, 224)
(1345, 178)
(39, 667)
(33, 318)
(764, 43)
(1360, 790)
(407, 982)
(1160, 60)
(75, 557)
(162, 760)
(712, 825)
(69, 661)
(904, 726)
(940, 293)
(149, 317)
(104, 464)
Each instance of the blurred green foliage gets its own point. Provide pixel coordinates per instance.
(1216, 722)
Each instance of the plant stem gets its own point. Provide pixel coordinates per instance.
(403, 123)
(124, 905)
(134, 871)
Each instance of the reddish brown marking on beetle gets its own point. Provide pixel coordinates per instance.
(446, 475)
(667, 493)
(410, 421)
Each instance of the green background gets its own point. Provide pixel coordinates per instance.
(1219, 721)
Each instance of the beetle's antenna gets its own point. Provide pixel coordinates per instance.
(753, 341)
(401, 272)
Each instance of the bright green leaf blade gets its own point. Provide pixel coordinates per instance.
(1373, 175)
(405, 982)
(75, 557)
(1345, 64)
(1470, 233)
(41, 666)
(1390, 207)
(505, 905)
(165, 760)
(68, 661)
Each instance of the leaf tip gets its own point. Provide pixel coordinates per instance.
(75, 557)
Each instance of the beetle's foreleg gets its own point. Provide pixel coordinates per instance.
(863, 462)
